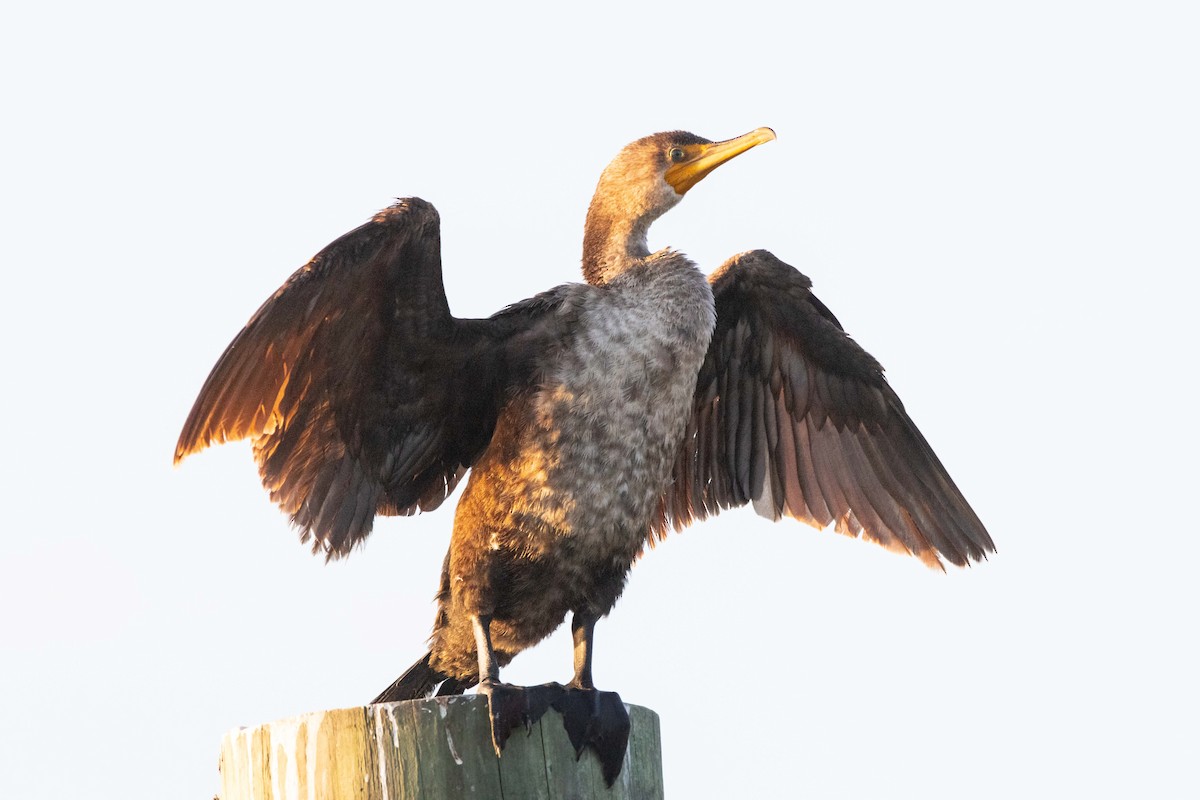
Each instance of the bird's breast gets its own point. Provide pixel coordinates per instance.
(594, 444)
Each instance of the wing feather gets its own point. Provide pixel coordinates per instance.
(363, 395)
(791, 414)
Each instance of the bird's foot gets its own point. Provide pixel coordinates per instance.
(512, 706)
(597, 720)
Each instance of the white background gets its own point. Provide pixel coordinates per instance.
(999, 201)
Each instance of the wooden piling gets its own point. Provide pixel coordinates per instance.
(438, 749)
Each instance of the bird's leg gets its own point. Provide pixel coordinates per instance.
(509, 706)
(593, 718)
(583, 628)
(489, 667)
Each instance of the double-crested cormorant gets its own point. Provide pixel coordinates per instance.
(593, 418)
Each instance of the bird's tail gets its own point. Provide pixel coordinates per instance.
(419, 681)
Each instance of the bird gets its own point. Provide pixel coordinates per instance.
(589, 421)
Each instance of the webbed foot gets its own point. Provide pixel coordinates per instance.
(597, 720)
(512, 706)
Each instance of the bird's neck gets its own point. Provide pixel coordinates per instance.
(612, 244)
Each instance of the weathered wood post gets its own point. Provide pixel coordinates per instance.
(439, 749)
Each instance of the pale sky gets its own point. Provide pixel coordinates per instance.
(999, 201)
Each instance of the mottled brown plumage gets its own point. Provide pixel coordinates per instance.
(592, 418)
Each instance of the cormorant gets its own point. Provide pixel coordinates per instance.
(592, 418)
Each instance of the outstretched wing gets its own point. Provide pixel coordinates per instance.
(363, 395)
(793, 416)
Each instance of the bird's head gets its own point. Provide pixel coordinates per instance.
(646, 179)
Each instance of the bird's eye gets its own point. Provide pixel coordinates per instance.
(676, 154)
